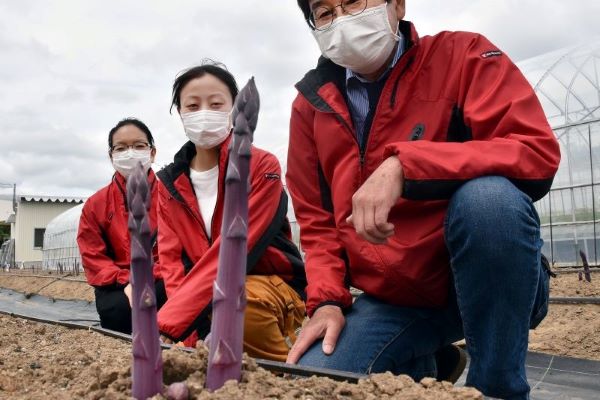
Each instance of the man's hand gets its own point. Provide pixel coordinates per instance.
(127, 291)
(327, 323)
(372, 202)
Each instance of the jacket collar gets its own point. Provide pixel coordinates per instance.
(181, 166)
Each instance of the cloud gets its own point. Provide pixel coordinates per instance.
(72, 69)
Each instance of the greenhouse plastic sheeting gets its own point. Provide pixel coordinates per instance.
(550, 377)
(60, 251)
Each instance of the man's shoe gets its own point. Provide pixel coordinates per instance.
(451, 362)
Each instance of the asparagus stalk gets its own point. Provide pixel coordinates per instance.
(586, 267)
(229, 294)
(147, 359)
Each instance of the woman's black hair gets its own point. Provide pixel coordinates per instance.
(130, 121)
(216, 69)
(303, 4)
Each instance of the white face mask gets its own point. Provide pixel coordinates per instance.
(205, 128)
(361, 43)
(125, 162)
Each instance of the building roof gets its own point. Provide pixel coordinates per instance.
(50, 199)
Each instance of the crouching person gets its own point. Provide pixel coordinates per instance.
(103, 237)
(191, 198)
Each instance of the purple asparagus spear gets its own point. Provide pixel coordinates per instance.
(147, 359)
(229, 295)
(586, 267)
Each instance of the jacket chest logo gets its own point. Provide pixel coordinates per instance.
(417, 132)
(491, 53)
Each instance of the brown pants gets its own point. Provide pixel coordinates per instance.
(273, 314)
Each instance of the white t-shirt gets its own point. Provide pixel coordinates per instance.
(206, 186)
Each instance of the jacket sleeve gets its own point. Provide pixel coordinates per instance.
(100, 269)
(501, 129)
(311, 197)
(188, 305)
(154, 186)
(170, 267)
(156, 268)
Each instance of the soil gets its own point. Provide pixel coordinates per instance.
(49, 362)
(49, 285)
(40, 361)
(570, 330)
(569, 285)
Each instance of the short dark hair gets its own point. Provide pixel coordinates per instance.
(303, 4)
(216, 69)
(130, 121)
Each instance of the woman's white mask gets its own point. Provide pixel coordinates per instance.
(125, 162)
(206, 128)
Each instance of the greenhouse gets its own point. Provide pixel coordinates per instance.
(567, 83)
(60, 251)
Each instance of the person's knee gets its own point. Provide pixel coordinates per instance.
(488, 194)
(114, 310)
(489, 205)
(271, 318)
(263, 336)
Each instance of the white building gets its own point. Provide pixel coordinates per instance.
(32, 217)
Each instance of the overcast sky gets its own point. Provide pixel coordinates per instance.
(70, 70)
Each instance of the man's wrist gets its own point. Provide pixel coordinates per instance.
(328, 303)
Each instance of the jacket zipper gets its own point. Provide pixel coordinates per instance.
(362, 147)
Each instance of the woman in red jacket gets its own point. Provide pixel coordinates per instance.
(103, 237)
(191, 194)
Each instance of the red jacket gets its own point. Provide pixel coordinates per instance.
(453, 108)
(189, 260)
(103, 236)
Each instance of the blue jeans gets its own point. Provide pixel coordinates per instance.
(499, 290)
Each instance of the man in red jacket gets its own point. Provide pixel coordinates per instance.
(103, 236)
(413, 166)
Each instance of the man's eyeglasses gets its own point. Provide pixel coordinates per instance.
(121, 148)
(321, 17)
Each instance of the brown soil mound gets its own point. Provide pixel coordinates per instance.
(569, 330)
(50, 362)
(57, 287)
(569, 285)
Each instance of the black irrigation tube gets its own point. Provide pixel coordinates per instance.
(273, 366)
(574, 300)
